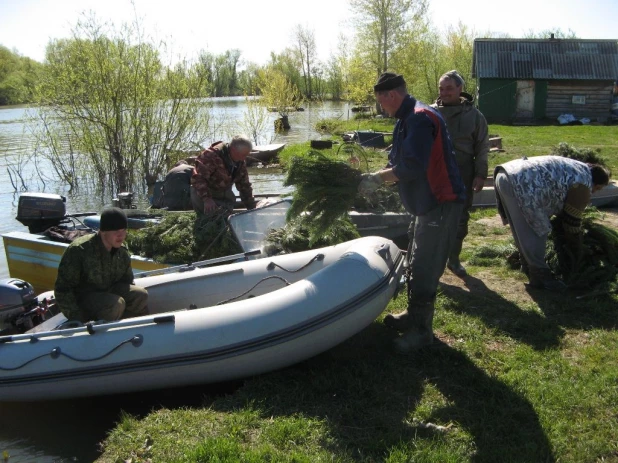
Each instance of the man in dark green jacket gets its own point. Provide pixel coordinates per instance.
(467, 128)
(95, 279)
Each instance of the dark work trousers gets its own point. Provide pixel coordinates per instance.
(434, 235)
(467, 175)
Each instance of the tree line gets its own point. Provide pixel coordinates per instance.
(113, 114)
(394, 35)
(19, 76)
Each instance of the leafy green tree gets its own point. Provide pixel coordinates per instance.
(247, 79)
(111, 112)
(381, 26)
(18, 77)
(278, 94)
(361, 76)
(337, 68)
(221, 70)
(287, 63)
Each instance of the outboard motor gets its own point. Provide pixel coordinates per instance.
(39, 211)
(124, 201)
(20, 308)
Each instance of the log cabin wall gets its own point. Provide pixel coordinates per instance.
(591, 99)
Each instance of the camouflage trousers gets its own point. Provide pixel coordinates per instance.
(121, 301)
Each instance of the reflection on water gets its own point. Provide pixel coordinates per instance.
(70, 430)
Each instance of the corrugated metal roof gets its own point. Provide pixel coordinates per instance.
(545, 59)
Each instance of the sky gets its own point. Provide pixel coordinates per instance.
(259, 27)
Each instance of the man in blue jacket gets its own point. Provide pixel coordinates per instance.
(422, 163)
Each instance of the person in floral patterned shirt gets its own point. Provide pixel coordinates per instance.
(530, 191)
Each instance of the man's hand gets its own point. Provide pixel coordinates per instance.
(369, 184)
(209, 206)
(477, 184)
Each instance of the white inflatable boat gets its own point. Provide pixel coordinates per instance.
(211, 324)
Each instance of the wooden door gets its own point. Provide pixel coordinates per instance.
(524, 99)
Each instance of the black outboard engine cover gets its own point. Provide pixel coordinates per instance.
(39, 211)
(16, 297)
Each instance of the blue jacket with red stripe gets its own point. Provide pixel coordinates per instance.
(423, 159)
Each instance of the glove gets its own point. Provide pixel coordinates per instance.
(369, 184)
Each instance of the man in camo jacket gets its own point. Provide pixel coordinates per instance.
(95, 279)
(217, 169)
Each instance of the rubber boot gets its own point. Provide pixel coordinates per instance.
(420, 331)
(543, 278)
(399, 322)
(524, 267)
(453, 264)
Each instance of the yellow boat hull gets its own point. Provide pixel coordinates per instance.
(35, 258)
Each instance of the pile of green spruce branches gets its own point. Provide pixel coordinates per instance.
(184, 237)
(326, 189)
(597, 267)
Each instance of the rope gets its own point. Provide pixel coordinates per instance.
(499, 88)
(56, 352)
(272, 265)
(287, 283)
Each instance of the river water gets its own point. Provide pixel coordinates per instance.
(69, 431)
(17, 144)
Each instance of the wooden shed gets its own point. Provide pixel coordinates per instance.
(526, 80)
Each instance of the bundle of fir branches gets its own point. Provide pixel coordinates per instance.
(184, 237)
(325, 189)
(586, 155)
(597, 267)
(295, 235)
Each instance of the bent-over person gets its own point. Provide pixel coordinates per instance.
(95, 279)
(530, 191)
(217, 169)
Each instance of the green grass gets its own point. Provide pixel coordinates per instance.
(518, 141)
(509, 381)
(517, 376)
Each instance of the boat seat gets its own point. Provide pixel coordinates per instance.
(53, 323)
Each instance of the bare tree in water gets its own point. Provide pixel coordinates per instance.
(111, 112)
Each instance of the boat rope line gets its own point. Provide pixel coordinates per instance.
(275, 277)
(272, 265)
(56, 352)
(91, 328)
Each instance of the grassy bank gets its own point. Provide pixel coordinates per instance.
(517, 374)
(517, 141)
